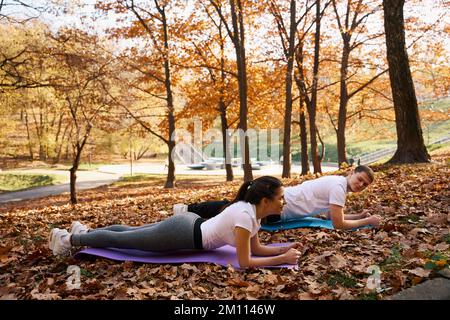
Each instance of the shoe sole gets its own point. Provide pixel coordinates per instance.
(72, 228)
(74, 231)
(51, 241)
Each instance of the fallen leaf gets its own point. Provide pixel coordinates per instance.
(343, 293)
(420, 272)
(323, 256)
(337, 261)
(270, 279)
(398, 279)
(47, 295)
(305, 296)
(436, 219)
(253, 288)
(441, 246)
(381, 235)
(416, 231)
(237, 282)
(4, 250)
(50, 281)
(321, 235)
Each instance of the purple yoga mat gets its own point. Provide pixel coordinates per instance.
(223, 256)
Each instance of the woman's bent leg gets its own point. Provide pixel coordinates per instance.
(176, 232)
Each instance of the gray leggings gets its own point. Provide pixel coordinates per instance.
(176, 232)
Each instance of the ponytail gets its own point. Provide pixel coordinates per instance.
(242, 191)
(254, 191)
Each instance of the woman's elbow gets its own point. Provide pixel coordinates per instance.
(244, 264)
(339, 225)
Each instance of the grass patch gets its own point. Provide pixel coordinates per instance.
(139, 178)
(441, 146)
(446, 238)
(339, 278)
(86, 273)
(160, 179)
(15, 182)
(412, 218)
(394, 261)
(368, 296)
(437, 261)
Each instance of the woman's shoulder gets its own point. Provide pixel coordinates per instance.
(240, 206)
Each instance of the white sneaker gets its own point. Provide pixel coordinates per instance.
(78, 228)
(59, 241)
(179, 208)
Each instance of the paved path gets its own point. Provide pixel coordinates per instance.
(155, 168)
(85, 180)
(108, 174)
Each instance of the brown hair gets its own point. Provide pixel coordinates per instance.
(254, 191)
(367, 171)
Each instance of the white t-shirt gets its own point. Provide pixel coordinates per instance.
(314, 197)
(219, 230)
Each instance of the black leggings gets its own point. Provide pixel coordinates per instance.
(209, 209)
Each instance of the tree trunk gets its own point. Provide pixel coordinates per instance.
(69, 137)
(171, 167)
(223, 111)
(170, 108)
(343, 100)
(239, 45)
(58, 147)
(73, 175)
(288, 95)
(410, 144)
(30, 144)
(303, 139)
(322, 152)
(142, 151)
(58, 132)
(42, 143)
(225, 140)
(313, 105)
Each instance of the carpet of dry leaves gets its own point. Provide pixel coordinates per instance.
(410, 248)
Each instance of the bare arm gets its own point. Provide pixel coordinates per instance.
(340, 222)
(356, 216)
(244, 254)
(261, 250)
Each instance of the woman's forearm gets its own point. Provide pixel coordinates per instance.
(269, 250)
(351, 224)
(265, 261)
(355, 216)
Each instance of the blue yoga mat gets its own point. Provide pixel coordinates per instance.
(307, 222)
(223, 256)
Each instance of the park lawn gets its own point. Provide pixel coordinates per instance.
(181, 179)
(432, 131)
(412, 246)
(15, 182)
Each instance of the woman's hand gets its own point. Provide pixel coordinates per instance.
(291, 256)
(365, 215)
(375, 221)
(295, 245)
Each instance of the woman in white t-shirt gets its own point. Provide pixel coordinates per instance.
(237, 225)
(323, 196)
